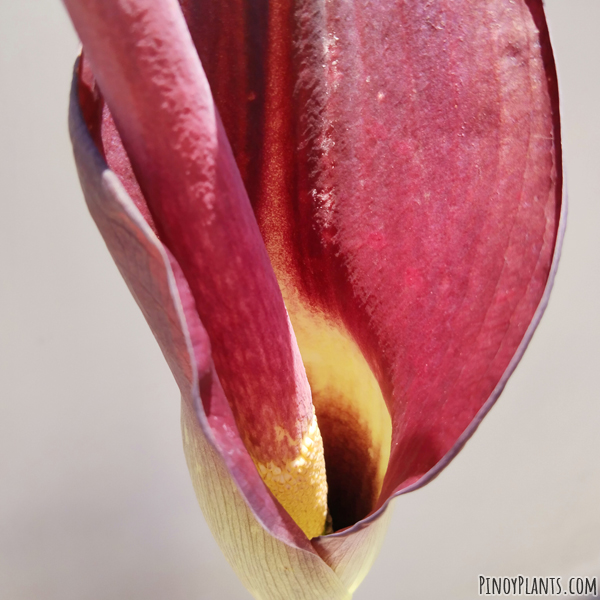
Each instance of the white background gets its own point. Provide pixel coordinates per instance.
(95, 500)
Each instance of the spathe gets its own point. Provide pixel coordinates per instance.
(419, 337)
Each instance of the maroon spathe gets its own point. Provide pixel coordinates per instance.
(403, 163)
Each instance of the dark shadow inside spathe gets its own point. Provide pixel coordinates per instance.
(351, 467)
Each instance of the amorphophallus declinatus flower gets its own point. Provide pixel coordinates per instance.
(385, 172)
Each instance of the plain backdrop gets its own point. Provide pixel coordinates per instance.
(95, 499)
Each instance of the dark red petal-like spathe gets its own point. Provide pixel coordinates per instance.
(406, 176)
(150, 75)
(174, 139)
(437, 268)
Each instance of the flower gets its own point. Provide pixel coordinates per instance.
(402, 162)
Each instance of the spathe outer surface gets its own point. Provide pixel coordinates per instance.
(269, 553)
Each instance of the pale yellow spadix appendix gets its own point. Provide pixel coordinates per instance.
(300, 485)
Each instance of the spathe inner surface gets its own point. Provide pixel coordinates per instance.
(463, 219)
(403, 161)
